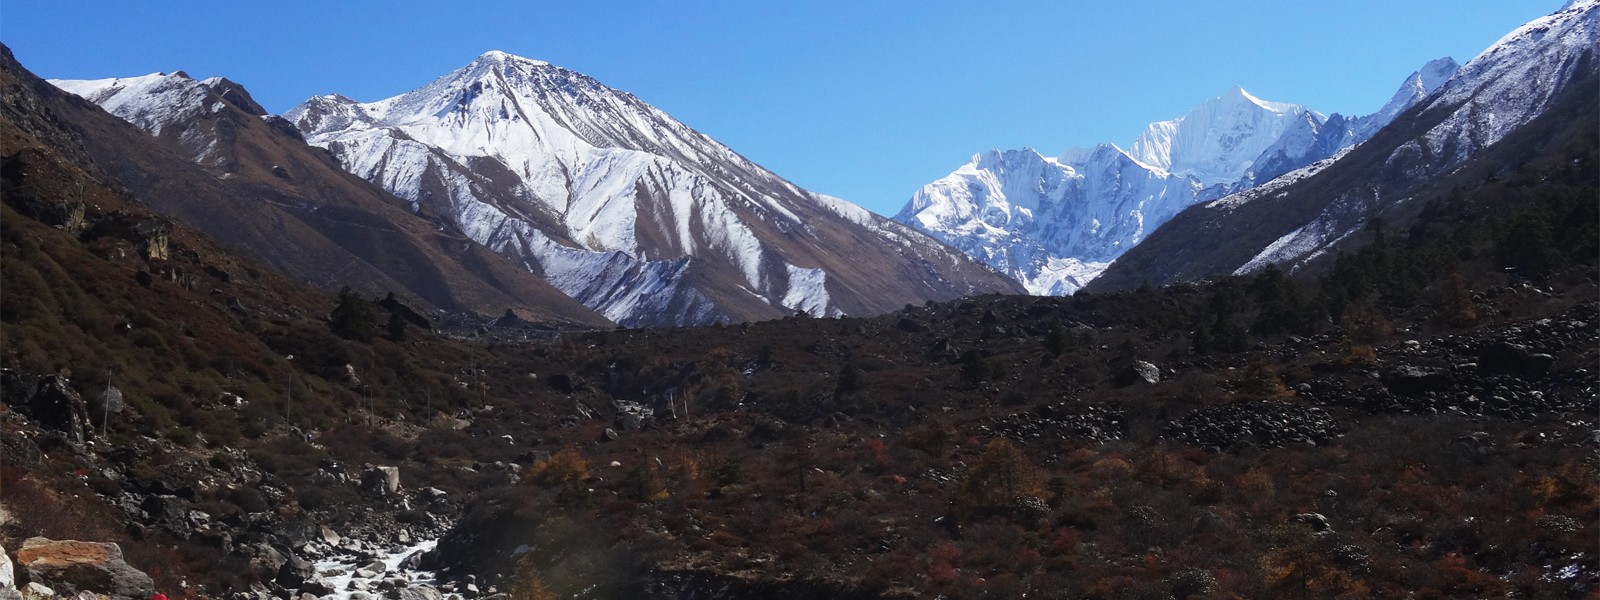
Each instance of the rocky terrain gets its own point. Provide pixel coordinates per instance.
(1414, 416)
(808, 457)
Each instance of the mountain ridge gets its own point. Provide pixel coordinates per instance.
(1096, 203)
(1311, 213)
(621, 206)
(198, 152)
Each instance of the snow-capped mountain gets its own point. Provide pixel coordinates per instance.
(168, 105)
(1308, 213)
(1055, 223)
(1513, 81)
(1219, 140)
(622, 207)
(205, 154)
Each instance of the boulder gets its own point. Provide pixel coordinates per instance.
(35, 591)
(296, 572)
(296, 533)
(1315, 521)
(371, 570)
(264, 560)
(380, 481)
(8, 577)
(1517, 359)
(329, 536)
(317, 588)
(632, 415)
(1139, 371)
(1413, 380)
(415, 593)
(70, 566)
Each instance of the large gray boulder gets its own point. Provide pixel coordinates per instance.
(380, 481)
(1138, 372)
(70, 567)
(8, 576)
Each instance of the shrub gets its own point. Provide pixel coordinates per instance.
(1002, 476)
(565, 470)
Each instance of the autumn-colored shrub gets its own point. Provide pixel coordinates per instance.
(566, 470)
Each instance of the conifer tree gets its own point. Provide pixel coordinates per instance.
(353, 317)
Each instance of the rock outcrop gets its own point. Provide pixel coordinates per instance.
(70, 566)
(48, 400)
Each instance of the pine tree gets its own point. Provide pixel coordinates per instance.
(396, 327)
(353, 317)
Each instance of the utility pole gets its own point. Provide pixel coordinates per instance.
(288, 393)
(105, 416)
(483, 395)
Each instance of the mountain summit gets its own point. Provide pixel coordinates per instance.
(1218, 140)
(627, 210)
(1054, 224)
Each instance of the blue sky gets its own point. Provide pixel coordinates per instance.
(866, 100)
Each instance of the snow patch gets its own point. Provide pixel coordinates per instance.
(808, 291)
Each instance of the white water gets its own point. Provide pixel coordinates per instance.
(347, 565)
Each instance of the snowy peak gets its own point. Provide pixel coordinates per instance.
(1435, 73)
(498, 57)
(1238, 96)
(1054, 224)
(1219, 140)
(1007, 160)
(624, 208)
(151, 102)
(1421, 84)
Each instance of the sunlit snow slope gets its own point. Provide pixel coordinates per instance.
(624, 208)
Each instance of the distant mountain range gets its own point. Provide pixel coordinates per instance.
(1502, 108)
(1055, 223)
(513, 183)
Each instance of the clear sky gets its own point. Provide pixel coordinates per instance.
(862, 99)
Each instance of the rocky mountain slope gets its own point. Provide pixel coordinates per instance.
(624, 208)
(204, 154)
(1531, 91)
(1055, 223)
